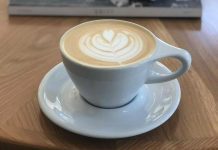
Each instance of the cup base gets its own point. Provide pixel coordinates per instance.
(103, 107)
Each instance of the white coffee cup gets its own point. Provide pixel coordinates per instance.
(115, 87)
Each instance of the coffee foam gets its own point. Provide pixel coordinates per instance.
(111, 45)
(108, 43)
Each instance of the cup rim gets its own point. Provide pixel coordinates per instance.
(130, 65)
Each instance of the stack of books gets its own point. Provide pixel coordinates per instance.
(114, 8)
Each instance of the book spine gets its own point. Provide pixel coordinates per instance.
(106, 11)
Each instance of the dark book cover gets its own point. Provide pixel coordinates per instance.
(126, 8)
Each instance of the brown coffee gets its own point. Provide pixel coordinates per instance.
(108, 43)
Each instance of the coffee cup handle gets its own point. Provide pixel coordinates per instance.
(164, 50)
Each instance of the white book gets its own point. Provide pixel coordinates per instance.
(114, 8)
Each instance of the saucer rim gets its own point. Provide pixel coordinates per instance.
(53, 117)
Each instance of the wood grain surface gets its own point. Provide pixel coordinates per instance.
(29, 48)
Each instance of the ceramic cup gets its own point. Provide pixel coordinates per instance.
(115, 87)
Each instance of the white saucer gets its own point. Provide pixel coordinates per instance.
(62, 104)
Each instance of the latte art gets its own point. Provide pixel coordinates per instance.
(107, 43)
(111, 45)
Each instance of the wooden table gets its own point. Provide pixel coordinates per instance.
(29, 48)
